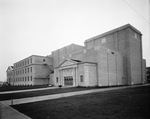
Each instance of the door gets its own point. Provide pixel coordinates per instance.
(68, 80)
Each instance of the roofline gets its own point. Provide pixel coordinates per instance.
(29, 57)
(87, 62)
(11, 67)
(112, 31)
(82, 62)
(67, 46)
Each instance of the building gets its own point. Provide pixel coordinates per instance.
(148, 74)
(33, 70)
(144, 71)
(10, 75)
(1, 83)
(110, 59)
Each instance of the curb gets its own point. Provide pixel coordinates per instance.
(61, 95)
(7, 112)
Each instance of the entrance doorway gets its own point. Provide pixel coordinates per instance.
(68, 80)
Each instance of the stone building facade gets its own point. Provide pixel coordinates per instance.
(33, 70)
(110, 59)
(116, 56)
(10, 75)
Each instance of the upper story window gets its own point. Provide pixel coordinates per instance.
(31, 69)
(30, 60)
(103, 40)
(135, 36)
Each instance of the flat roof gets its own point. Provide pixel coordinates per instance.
(72, 44)
(30, 57)
(114, 30)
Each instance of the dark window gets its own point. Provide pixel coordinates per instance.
(81, 78)
(31, 78)
(112, 53)
(57, 79)
(30, 60)
(31, 69)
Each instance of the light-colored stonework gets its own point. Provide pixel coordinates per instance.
(110, 59)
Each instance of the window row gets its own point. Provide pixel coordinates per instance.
(24, 84)
(23, 63)
(19, 79)
(23, 71)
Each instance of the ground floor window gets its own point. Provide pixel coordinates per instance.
(57, 79)
(81, 78)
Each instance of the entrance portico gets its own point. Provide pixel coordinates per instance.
(67, 73)
(75, 73)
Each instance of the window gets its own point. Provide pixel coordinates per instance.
(135, 35)
(31, 78)
(56, 79)
(81, 78)
(25, 70)
(112, 53)
(28, 70)
(103, 40)
(30, 60)
(25, 78)
(28, 78)
(31, 69)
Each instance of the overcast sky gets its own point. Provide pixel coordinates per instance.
(39, 27)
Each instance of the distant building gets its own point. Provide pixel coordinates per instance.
(148, 74)
(1, 83)
(33, 70)
(144, 71)
(10, 75)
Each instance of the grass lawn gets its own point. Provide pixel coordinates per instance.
(132, 103)
(14, 88)
(41, 93)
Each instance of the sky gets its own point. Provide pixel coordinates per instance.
(38, 27)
